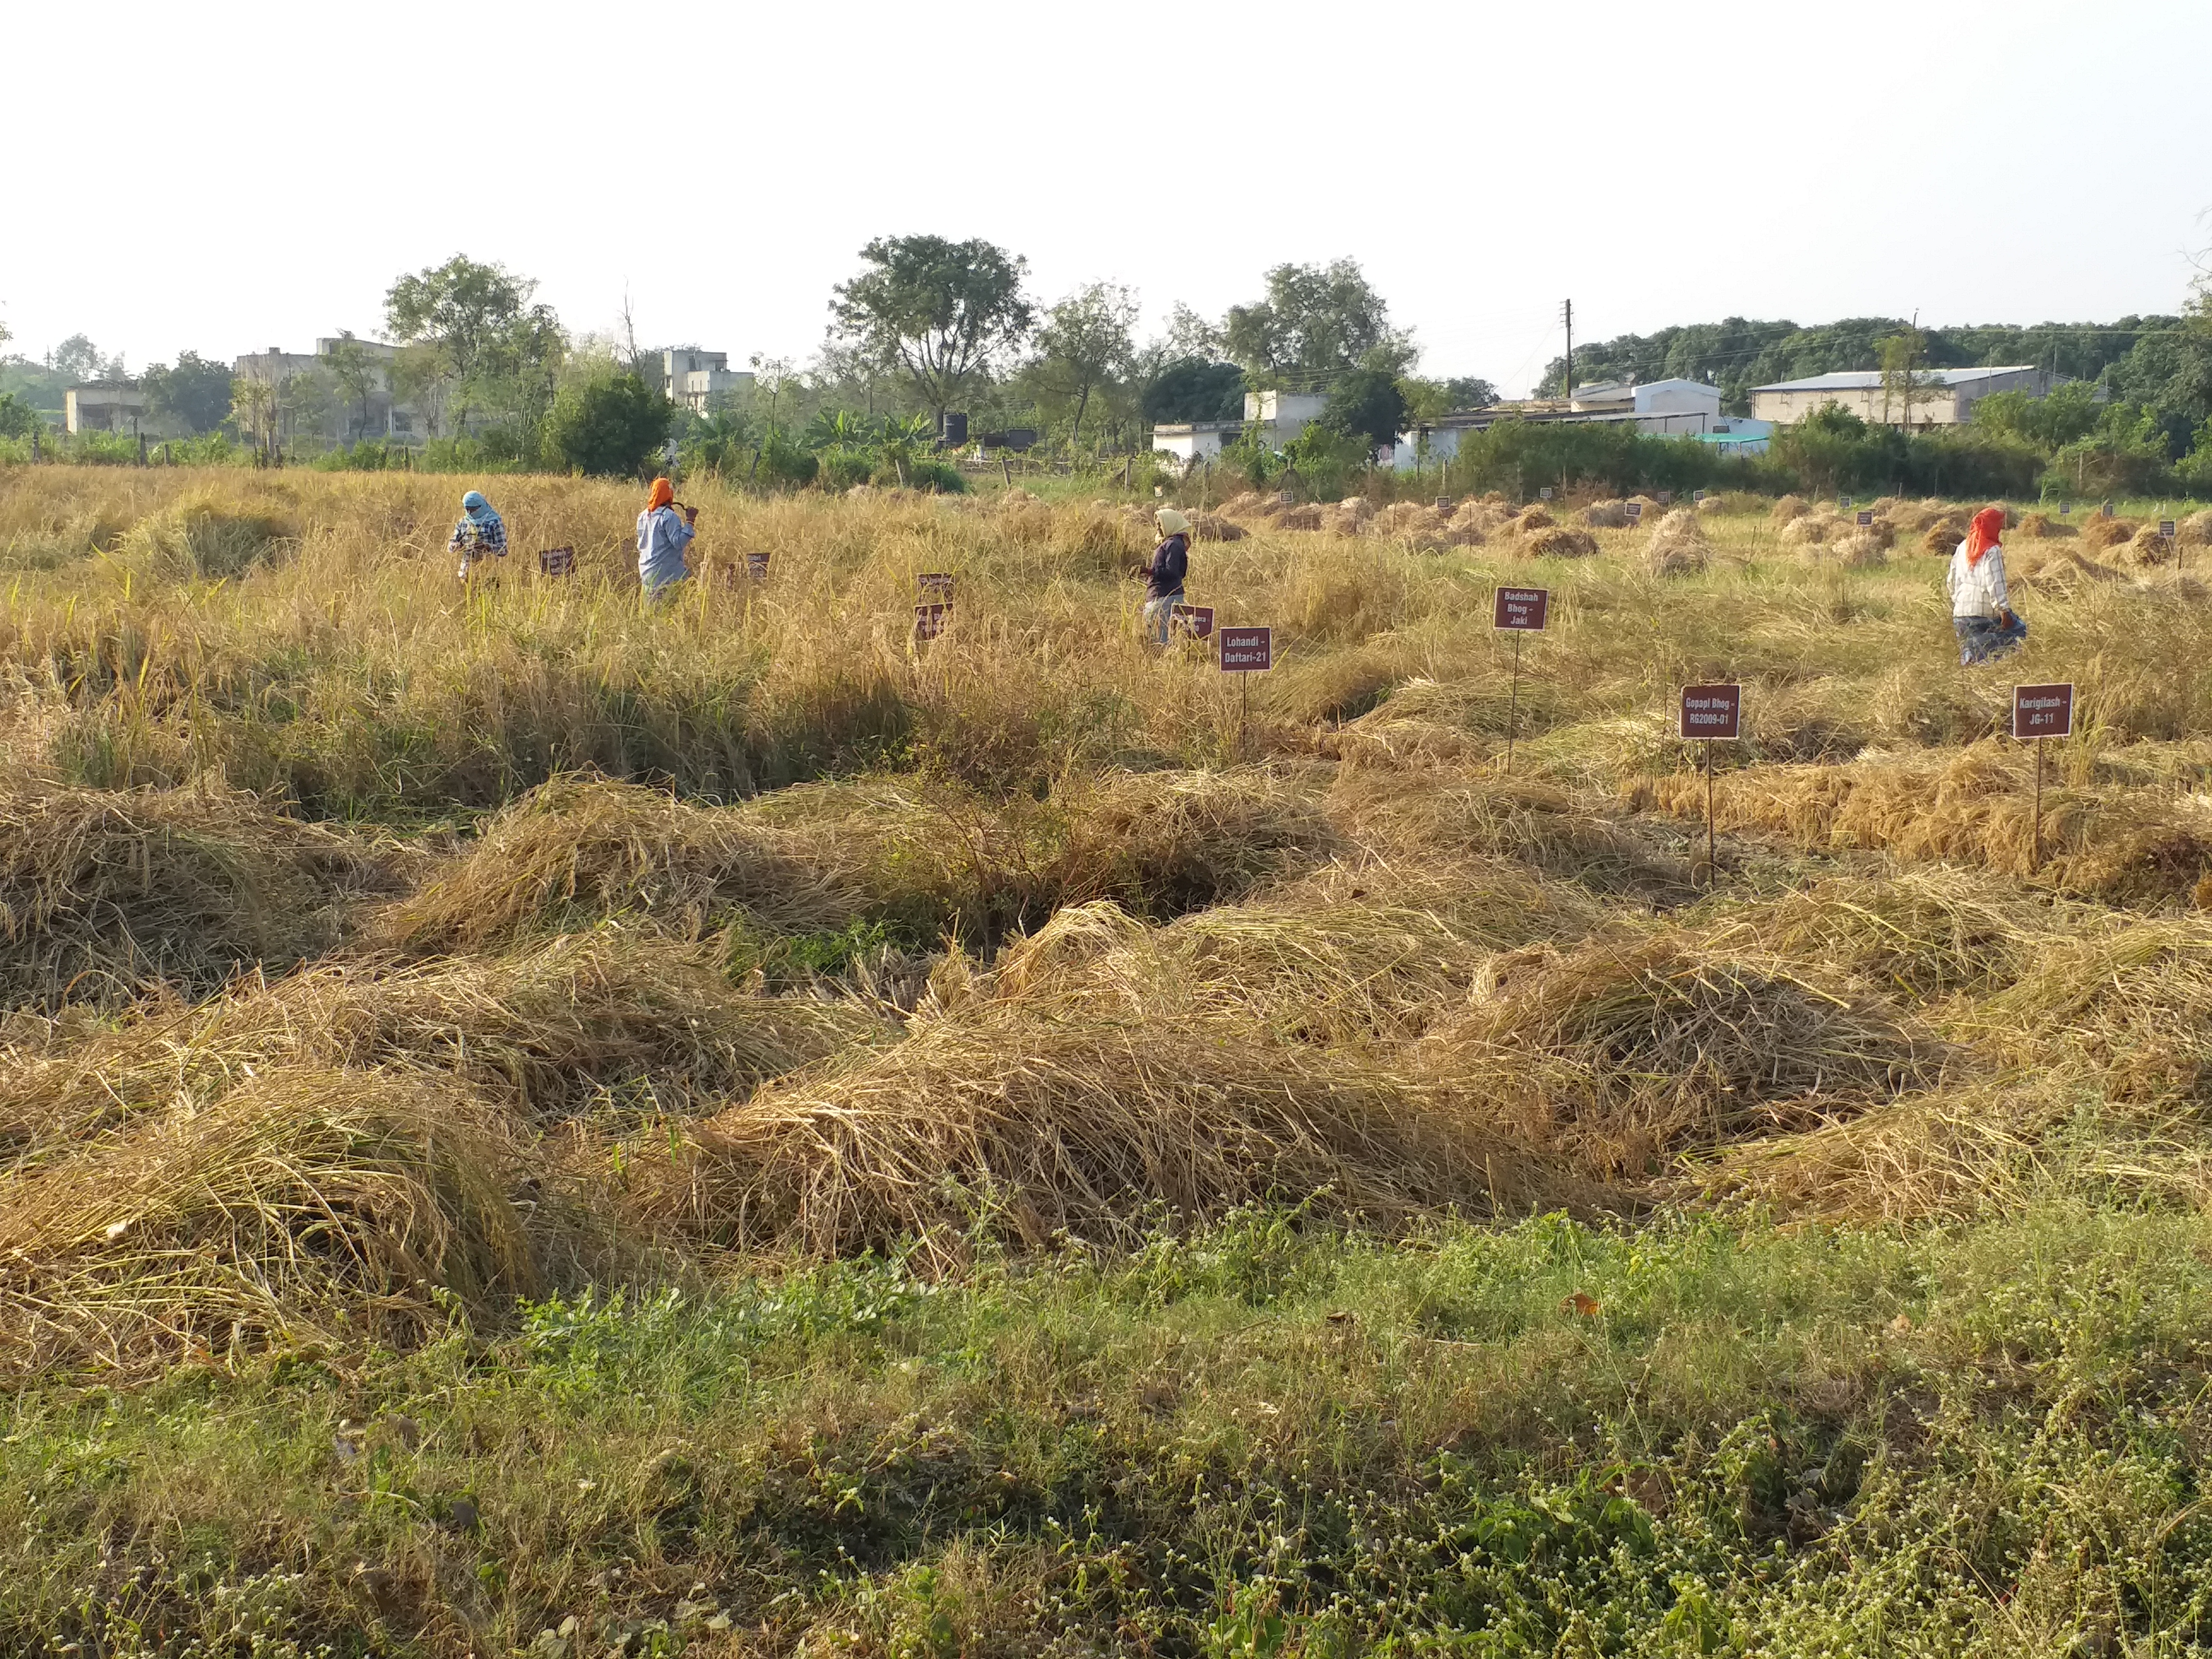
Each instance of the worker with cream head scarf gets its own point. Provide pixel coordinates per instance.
(661, 539)
(479, 534)
(1981, 610)
(1163, 576)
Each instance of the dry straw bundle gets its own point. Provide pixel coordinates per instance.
(106, 893)
(1677, 545)
(1066, 1117)
(1560, 543)
(1972, 807)
(606, 1024)
(2102, 533)
(582, 849)
(1533, 518)
(1624, 1055)
(1789, 508)
(306, 1207)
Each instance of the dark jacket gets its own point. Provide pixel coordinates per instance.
(1170, 564)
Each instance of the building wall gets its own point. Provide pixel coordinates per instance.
(1189, 445)
(1288, 412)
(1949, 408)
(104, 409)
(1678, 398)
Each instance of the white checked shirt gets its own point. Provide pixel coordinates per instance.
(1977, 589)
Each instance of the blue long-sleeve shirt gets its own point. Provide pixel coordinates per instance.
(662, 536)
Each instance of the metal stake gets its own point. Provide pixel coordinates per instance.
(1712, 864)
(2035, 831)
(1513, 707)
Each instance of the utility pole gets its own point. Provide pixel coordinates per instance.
(1567, 316)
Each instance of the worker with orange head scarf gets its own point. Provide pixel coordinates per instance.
(661, 539)
(1981, 610)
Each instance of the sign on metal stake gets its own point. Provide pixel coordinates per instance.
(2040, 712)
(1709, 715)
(1518, 611)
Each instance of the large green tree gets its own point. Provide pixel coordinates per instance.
(491, 346)
(1367, 404)
(1086, 342)
(1316, 322)
(608, 422)
(195, 391)
(938, 311)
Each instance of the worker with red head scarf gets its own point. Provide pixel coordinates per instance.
(1981, 610)
(661, 539)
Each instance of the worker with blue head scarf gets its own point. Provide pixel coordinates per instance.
(480, 534)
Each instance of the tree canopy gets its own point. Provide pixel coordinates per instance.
(195, 391)
(608, 424)
(1368, 404)
(1085, 343)
(1316, 322)
(491, 345)
(941, 312)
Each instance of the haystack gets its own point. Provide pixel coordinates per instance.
(1712, 507)
(1861, 547)
(1307, 517)
(2041, 527)
(1789, 508)
(1069, 1116)
(1807, 529)
(1677, 545)
(2196, 530)
(605, 1023)
(2145, 549)
(578, 848)
(302, 1206)
(1216, 527)
(1356, 506)
(2101, 533)
(1623, 1057)
(1941, 538)
(1561, 543)
(1606, 515)
(1533, 518)
(106, 893)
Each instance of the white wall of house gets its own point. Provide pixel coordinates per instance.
(1285, 413)
(1860, 392)
(1191, 442)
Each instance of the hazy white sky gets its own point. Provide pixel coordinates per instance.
(228, 179)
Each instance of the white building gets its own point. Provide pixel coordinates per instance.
(1662, 409)
(1653, 399)
(1283, 414)
(312, 400)
(1955, 393)
(1193, 442)
(105, 406)
(702, 380)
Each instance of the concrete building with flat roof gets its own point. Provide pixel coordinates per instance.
(105, 406)
(1947, 398)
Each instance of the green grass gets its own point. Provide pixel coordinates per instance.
(1264, 1439)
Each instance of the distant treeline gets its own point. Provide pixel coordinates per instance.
(2138, 358)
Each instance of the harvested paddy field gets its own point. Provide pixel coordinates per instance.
(527, 1126)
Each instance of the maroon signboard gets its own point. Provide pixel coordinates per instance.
(935, 585)
(757, 566)
(1521, 610)
(1666, 498)
(2043, 711)
(557, 562)
(1697, 495)
(929, 620)
(1866, 517)
(1194, 620)
(1711, 711)
(2106, 511)
(1545, 492)
(2166, 528)
(1636, 511)
(1247, 650)
(2065, 509)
